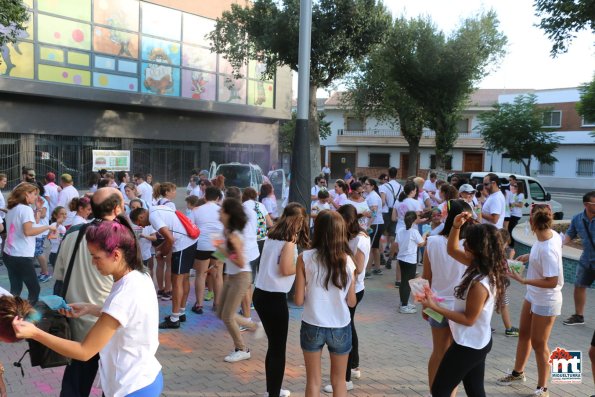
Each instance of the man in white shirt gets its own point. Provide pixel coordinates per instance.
(494, 208)
(52, 191)
(66, 195)
(326, 171)
(430, 184)
(123, 179)
(183, 249)
(144, 189)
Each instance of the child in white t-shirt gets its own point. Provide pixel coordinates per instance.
(58, 217)
(323, 203)
(146, 237)
(408, 240)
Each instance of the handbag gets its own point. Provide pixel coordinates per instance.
(53, 323)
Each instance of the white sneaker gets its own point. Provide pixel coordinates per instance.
(259, 331)
(237, 355)
(282, 393)
(329, 388)
(407, 310)
(356, 373)
(411, 306)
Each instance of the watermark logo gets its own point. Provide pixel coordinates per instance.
(566, 366)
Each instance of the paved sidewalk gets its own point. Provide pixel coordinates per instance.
(394, 350)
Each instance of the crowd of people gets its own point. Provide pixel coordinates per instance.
(132, 247)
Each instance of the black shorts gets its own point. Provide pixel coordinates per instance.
(182, 261)
(389, 226)
(377, 231)
(203, 255)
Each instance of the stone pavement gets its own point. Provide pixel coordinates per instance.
(394, 350)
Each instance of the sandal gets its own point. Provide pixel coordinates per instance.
(197, 309)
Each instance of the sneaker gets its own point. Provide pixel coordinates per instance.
(512, 331)
(329, 388)
(411, 306)
(377, 272)
(197, 309)
(166, 296)
(159, 293)
(209, 295)
(575, 319)
(356, 373)
(387, 264)
(407, 309)
(397, 284)
(183, 318)
(44, 278)
(541, 392)
(282, 393)
(243, 329)
(259, 331)
(510, 379)
(367, 276)
(167, 323)
(237, 355)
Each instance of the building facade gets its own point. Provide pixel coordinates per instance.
(132, 75)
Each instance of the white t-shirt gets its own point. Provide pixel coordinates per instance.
(146, 245)
(128, 360)
(360, 207)
(362, 243)
(322, 307)
(45, 221)
(268, 277)
(408, 241)
(429, 186)
(77, 220)
(206, 217)
(64, 198)
(495, 204)
(2, 205)
(122, 188)
(545, 260)
(55, 242)
(446, 271)
(162, 216)
(393, 189)
(196, 191)
(409, 204)
(515, 199)
(146, 192)
(314, 191)
(384, 189)
(51, 191)
(250, 245)
(478, 335)
(17, 244)
(167, 203)
(270, 203)
(230, 267)
(317, 206)
(340, 199)
(374, 200)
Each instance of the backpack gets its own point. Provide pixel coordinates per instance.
(191, 229)
(261, 223)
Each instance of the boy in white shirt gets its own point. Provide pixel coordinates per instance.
(323, 203)
(408, 240)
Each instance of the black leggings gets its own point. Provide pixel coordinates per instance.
(353, 360)
(461, 363)
(274, 314)
(514, 220)
(407, 273)
(22, 270)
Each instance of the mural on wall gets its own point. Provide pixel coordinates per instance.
(105, 44)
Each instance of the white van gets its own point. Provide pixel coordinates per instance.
(248, 175)
(535, 192)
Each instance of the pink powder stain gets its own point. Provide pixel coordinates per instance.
(57, 35)
(78, 35)
(65, 75)
(131, 86)
(77, 79)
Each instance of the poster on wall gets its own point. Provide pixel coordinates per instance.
(111, 160)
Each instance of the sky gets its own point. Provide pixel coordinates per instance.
(528, 63)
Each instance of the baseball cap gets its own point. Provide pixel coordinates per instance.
(466, 188)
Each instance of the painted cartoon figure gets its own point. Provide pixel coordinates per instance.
(5, 49)
(120, 38)
(159, 76)
(234, 87)
(260, 91)
(198, 82)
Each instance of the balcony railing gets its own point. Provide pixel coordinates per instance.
(395, 133)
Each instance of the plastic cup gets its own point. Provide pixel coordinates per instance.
(515, 266)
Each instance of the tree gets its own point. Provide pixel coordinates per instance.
(343, 32)
(586, 106)
(516, 128)
(287, 131)
(13, 19)
(562, 19)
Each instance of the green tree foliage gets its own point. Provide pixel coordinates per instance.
(561, 19)
(13, 18)
(517, 129)
(586, 106)
(287, 131)
(343, 33)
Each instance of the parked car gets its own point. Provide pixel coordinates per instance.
(535, 192)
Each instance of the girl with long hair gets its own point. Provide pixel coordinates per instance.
(377, 222)
(359, 243)
(268, 199)
(357, 200)
(21, 229)
(239, 278)
(480, 290)
(126, 334)
(341, 189)
(82, 207)
(273, 281)
(543, 300)
(444, 273)
(328, 271)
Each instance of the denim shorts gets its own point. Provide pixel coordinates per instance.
(584, 276)
(313, 339)
(39, 246)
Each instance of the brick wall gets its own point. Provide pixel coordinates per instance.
(571, 120)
